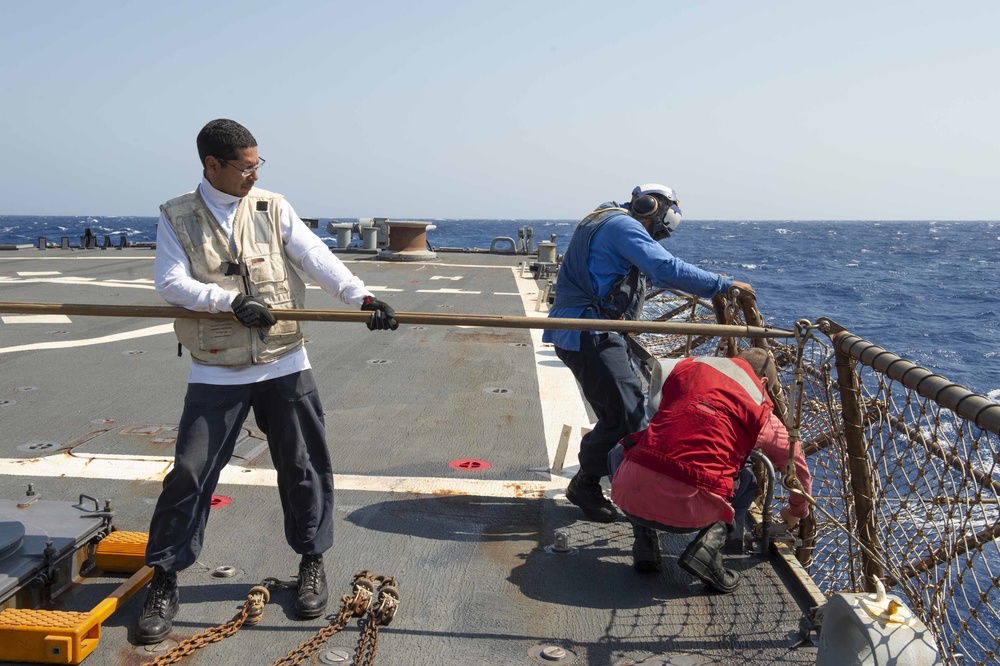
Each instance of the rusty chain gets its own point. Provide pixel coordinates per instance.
(249, 615)
(375, 595)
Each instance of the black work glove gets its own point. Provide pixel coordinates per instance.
(252, 313)
(382, 318)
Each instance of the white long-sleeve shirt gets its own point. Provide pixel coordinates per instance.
(306, 251)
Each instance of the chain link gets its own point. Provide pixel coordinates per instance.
(250, 614)
(373, 594)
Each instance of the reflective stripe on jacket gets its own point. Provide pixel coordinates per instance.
(711, 413)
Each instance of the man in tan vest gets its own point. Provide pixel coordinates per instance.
(231, 247)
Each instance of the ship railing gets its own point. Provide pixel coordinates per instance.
(905, 471)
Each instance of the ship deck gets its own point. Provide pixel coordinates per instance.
(88, 405)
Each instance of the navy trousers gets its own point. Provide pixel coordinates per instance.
(604, 370)
(288, 410)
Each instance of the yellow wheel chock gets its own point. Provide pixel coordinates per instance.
(67, 637)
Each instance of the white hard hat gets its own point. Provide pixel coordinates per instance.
(654, 188)
(665, 218)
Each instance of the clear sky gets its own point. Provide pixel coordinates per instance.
(510, 109)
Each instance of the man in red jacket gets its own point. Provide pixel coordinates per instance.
(687, 470)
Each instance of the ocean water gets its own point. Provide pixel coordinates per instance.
(927, 291)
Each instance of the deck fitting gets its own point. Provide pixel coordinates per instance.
(551, 654)
(469, 464)
(37, 447)
(161, 647)
(335, 656)
(561, 544)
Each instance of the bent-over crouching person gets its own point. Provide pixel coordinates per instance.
(614, 251)
(687, 471)
(230, 247)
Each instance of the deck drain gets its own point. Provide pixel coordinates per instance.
(220, 500)
(551, 654)
(446, 305)
(103, 421)
(7, 403)
(378, 361)
(418, 328)
(498, 391)
(520, 344)
(26, 389)
(58, 333)
(224, 571)
(469, 464)
(134, 352)
(36, 447)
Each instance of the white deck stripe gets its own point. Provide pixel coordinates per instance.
(153, 468)
(35, 319)
(562, 403)
(448, 291)
(90, 282)
(67, 344)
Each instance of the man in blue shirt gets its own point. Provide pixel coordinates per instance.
(614, 250)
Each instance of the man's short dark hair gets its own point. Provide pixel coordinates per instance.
(762, 363)
(222, 138)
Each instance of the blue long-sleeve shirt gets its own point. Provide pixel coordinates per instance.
(622, 242)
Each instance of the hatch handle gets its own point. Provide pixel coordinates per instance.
(79, 504)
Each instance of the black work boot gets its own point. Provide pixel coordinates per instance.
(162, 600)
(311, 601)
(703, 558)
(584, 490)
(645, 549)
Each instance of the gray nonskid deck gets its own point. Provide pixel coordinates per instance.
(477, 584)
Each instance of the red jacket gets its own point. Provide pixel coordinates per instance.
(711, 412)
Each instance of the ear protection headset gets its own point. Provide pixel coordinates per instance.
(645, 206)
(664, 213)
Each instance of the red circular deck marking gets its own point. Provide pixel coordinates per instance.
(220, 500)
(469, 464)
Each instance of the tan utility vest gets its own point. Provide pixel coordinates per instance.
(257, 266)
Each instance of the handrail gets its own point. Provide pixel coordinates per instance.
(971, 406)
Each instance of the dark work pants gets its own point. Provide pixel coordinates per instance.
(609, 383)
(288, 410)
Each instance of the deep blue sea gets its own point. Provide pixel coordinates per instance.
(928, 291)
